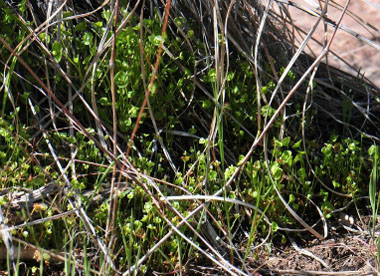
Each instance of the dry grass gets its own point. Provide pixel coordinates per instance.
(262, 36)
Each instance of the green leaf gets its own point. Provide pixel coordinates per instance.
(77, 185)
(57, 51)
(285, 141)
(121, 79)
(80, 27)
(153, 88)
(287, 157)
(336, 184)
(67, 14)
(44, 37)
(297, 144)
(125, 124)
(372, 150)
(276, 171)
(292, 198)
(302, 173)
(104, 101)
(211, 76)
(87, 39)
(352, 146)
(230, 76)
(38, 181)
(157, 40)
(206, 104)
(264, 90)
(148, 206)
(274, 226)
(327, 207)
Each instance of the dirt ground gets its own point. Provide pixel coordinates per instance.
(348, 249)
(353, 50)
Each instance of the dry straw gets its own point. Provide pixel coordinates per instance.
(258, 32)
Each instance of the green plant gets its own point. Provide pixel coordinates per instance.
(341, 158)
(373, 193)
(204, 111)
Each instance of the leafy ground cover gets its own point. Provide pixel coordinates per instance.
(134, 142)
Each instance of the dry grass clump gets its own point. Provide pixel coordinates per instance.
(157, 146)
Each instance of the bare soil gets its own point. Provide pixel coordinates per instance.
(350, 253)
(354, 51)
(349, 249)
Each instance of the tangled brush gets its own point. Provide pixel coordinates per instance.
(161, 101)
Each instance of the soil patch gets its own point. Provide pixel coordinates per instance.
(354, 51)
